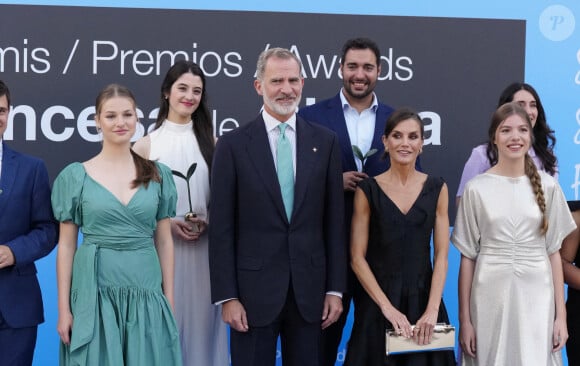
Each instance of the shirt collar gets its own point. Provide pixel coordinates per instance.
(272, 123)
(374, 105)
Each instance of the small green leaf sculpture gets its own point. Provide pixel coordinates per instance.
(359, 155)
(189, 215)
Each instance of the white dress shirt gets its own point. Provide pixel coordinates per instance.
(360, 126)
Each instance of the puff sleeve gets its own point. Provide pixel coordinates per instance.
(560, 221)
(167, 193)
(466, 233)
(67, 194)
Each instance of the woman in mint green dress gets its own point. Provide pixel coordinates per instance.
(115, 292)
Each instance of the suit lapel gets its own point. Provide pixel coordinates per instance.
(260, 155)
(339, 126)
(7, 176)
(307, 151)
(380, 121)
(377, 143)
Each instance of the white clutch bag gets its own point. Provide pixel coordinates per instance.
(443, 340)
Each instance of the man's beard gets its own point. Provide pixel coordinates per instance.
(282, 110)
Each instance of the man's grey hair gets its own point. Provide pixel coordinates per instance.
(277, 52)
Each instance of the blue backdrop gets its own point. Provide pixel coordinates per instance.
(552, 65)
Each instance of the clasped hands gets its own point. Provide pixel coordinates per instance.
(422, 333)
(189, 230)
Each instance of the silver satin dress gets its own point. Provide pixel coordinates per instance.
(512, 293)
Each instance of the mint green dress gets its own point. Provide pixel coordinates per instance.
(120, 315)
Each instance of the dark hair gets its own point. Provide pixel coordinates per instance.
(146, 169)
(399, 116)
(544, 139)
(501, 114)
(202, 124)
(5, 91)
(360, 44)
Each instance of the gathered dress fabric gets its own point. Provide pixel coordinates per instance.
(399, 255)
(120, 315)
(512, 294)
(203, 333)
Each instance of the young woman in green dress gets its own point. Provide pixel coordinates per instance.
(115, 291)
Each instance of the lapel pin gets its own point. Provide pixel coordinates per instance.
(314, 149)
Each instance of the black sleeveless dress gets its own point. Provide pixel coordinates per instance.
(573, 310)
(399, 255)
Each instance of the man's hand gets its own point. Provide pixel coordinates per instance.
(234, 314)
(350, 180)
(331, 311)
(6, 256)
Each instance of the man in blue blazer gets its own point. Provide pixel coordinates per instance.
(27, 233)
(277, 262)
(358, 119)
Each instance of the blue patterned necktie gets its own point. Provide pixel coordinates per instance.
(285, 169)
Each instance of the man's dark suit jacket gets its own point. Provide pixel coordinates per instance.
(27, 226)
(329, 113)
(255, 253)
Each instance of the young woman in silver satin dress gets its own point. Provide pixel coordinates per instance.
(509, 228)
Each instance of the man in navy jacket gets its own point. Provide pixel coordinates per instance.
(277, 261)
(27, 232)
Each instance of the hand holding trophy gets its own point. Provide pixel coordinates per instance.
(197, 223)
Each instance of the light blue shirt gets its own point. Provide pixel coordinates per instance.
(360, 126)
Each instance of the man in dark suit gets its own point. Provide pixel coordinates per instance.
(277, 252)
(27, 233)
(358, 119)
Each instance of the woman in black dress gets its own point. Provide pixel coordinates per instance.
(394, 216)
(570, 261)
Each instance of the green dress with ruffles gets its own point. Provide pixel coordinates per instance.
(120, 315)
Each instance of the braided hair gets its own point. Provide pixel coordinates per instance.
(501, 114)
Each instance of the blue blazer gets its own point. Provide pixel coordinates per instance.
(329, 113)
(28, 227)
(254, 251)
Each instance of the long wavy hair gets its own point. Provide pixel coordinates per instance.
(544, 139)
(202, 124)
